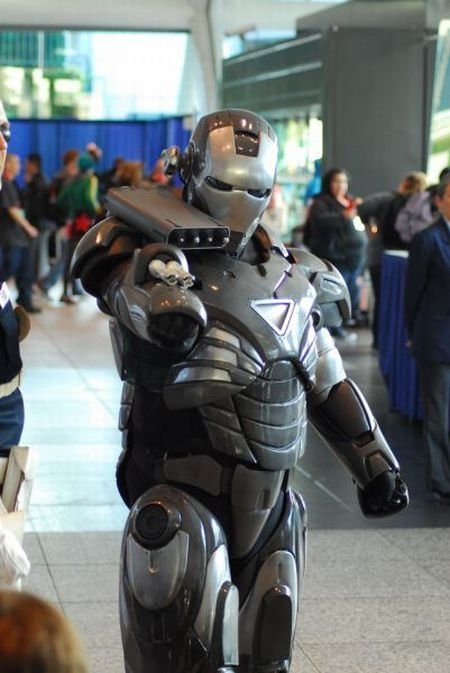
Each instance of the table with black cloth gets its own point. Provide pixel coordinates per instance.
(396, 363)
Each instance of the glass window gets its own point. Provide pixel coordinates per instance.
(439, 156)
(300, 152)
(92, 75)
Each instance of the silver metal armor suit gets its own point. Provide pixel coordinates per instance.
(222, 346)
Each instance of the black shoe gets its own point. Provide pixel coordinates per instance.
(441, 498)
(32, 309)
(357, 320)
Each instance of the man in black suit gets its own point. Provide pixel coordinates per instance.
(427, 305)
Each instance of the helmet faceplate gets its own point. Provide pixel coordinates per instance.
(234, 159)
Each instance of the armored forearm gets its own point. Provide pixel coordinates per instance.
(348, 426)
(340, 413)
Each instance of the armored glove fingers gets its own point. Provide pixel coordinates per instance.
(174, 331)
(384, 495)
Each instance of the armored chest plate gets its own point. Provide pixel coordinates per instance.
(248, 372)
(257, 315)
(270, 304)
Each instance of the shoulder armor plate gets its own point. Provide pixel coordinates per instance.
(109, 238)
(332, 293)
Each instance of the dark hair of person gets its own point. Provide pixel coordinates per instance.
(329, 177)
(35, 159)
(442, 186)
(70, 156)
(445, 171)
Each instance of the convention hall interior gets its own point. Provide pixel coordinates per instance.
(358, 84)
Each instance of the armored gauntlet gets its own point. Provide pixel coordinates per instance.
(155, 301)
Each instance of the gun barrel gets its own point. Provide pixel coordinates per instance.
(157, 213)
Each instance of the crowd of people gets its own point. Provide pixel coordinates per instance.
(352, 232)
(42, 222)
(415, 218)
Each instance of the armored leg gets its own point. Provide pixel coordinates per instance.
(178, 607)
(269, 607)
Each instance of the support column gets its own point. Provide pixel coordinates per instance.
(207, 44)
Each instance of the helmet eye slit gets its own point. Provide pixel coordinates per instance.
(218, 184)
(259, 193)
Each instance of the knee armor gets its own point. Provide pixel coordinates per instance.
(178, 606)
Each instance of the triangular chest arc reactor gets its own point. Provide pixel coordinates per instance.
(277, 313)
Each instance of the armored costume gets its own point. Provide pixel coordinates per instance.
(219, 334)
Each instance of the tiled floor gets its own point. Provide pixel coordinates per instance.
(377, 594)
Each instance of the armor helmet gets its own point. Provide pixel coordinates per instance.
(229, 169)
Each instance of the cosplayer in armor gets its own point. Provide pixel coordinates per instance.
(219, 333)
